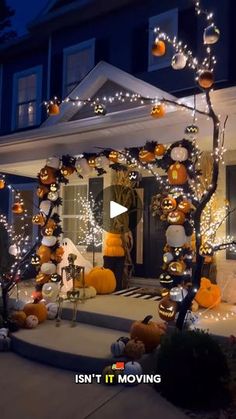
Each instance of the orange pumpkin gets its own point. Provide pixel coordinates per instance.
(158, 111)
(67, 171)
(42, 190)
(113, 156)
(146, 156)
(103, 280)
(177, 174)
(176, 217)
(58, 254)
(177, 267)
(42, 278)
(158, 48)
(19, 317)
(168, 204)
(185, 206)
(208, 295)
(114, 246)
(39, 310)
(44, 253)
(206, 79)
(38, 219)
(53, 109)
(18, 208)
(2, 183)
(159, 150)
(113, 239)
(47, 175)
(148, 332)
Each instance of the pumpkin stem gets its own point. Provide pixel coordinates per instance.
(147, 319)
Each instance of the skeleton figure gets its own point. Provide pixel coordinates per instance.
(71, 271)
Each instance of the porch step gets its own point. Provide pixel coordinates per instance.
(83, 348)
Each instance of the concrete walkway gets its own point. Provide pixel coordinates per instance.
(30, 390)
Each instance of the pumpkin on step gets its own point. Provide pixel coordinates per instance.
(88, 292)
(209, 294)
(103, 280)
(148, 332)
(19, 317)
(135, 349)
(117, 348)
(39, 310)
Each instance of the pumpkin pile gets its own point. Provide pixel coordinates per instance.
(32, 314)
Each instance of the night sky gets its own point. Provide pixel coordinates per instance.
(26, 11)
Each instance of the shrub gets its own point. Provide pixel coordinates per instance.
(193, 369)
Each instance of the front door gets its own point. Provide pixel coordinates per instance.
(149, 235)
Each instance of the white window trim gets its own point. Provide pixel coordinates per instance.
(90, 43)
(156, 21)
(38, 70)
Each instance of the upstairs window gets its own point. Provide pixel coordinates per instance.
(168, 23)
(27, 86)
(78, 61)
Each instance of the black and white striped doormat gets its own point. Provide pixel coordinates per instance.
(134, 293)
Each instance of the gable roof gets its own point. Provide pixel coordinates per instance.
(93, 82)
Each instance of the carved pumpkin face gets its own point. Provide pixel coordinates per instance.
(178, 294)
(55, 278)
(177, 174)
(158, 48)
(100, 109)
(54, 187)
(67, 171)
(53, 196)
(134, 176)
(206, 79)
(167, 309)
(192, 130)
(42, 190)
(47, 231)
(179, 153)
(42, 278)
(159, 150)
(177, 251)
(35, 260)
(166, 280)
(185, 206)
(47, 175)
(113, 156)
(168, 204)
(176, 268)
(92, 162)
(206, 249)
(38, 219)
(18, 208)
(146, 156)
(176, 217)
(158, 111)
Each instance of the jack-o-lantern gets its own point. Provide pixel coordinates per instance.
(166, 280)
(53, 196)
(179, 153)
(67, 171)
(159, 150)
(135, 176)
(146, 156)
(58, 254)
(175, 236)
(177, 251)
(2, 183)
(92, 162)
(206, 249)
(42, 190)
(185, 206)
(206, 79)
(192, 130)
(178, 294)
(42, 278)
(177, 267)
(38, 219)
(179, 61)
(54, 187)
(35, 260)
(158, 111)
(176, 217)
(44, 253)
(167, 309)
(18, 208)
(158, 48)
(177, 174)
(211, 34)
(55, 278)
(47, 231)
(168, 257)
(100, 109)
(47, 175)
(168, 204)
(113, 156)
(53, 109)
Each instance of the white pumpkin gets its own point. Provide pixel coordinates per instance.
(13, 250)
(101, 161)
(175, 236)
(53, 196)
(31, 321)
(179, 153)
(178, 294)
(211, 34)
(118, 348)
(52, 310)
(168, 257)
(88, 292)
(179, 61)
(48, 268)
(50, 291)
(83, 167)
(49, 241)
(53, 162)
(4, 332)
(45, 206)
(132, 368)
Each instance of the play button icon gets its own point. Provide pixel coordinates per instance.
(116, 209)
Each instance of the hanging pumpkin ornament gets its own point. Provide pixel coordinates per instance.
(176, 268)
(2, 183)
(18, 208)
(53, 109)
(206, 79)
(178, 294)
(146, 156)
(47, 175)
(175, 236)
(211, 34)
(168, 204)
(167, 309)
(158, 48)
(179, 153)
(177, 174)
(158, 111)
(176, 217)
(159, 151)
(179, 61)
(192, 130)
(100, 109)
